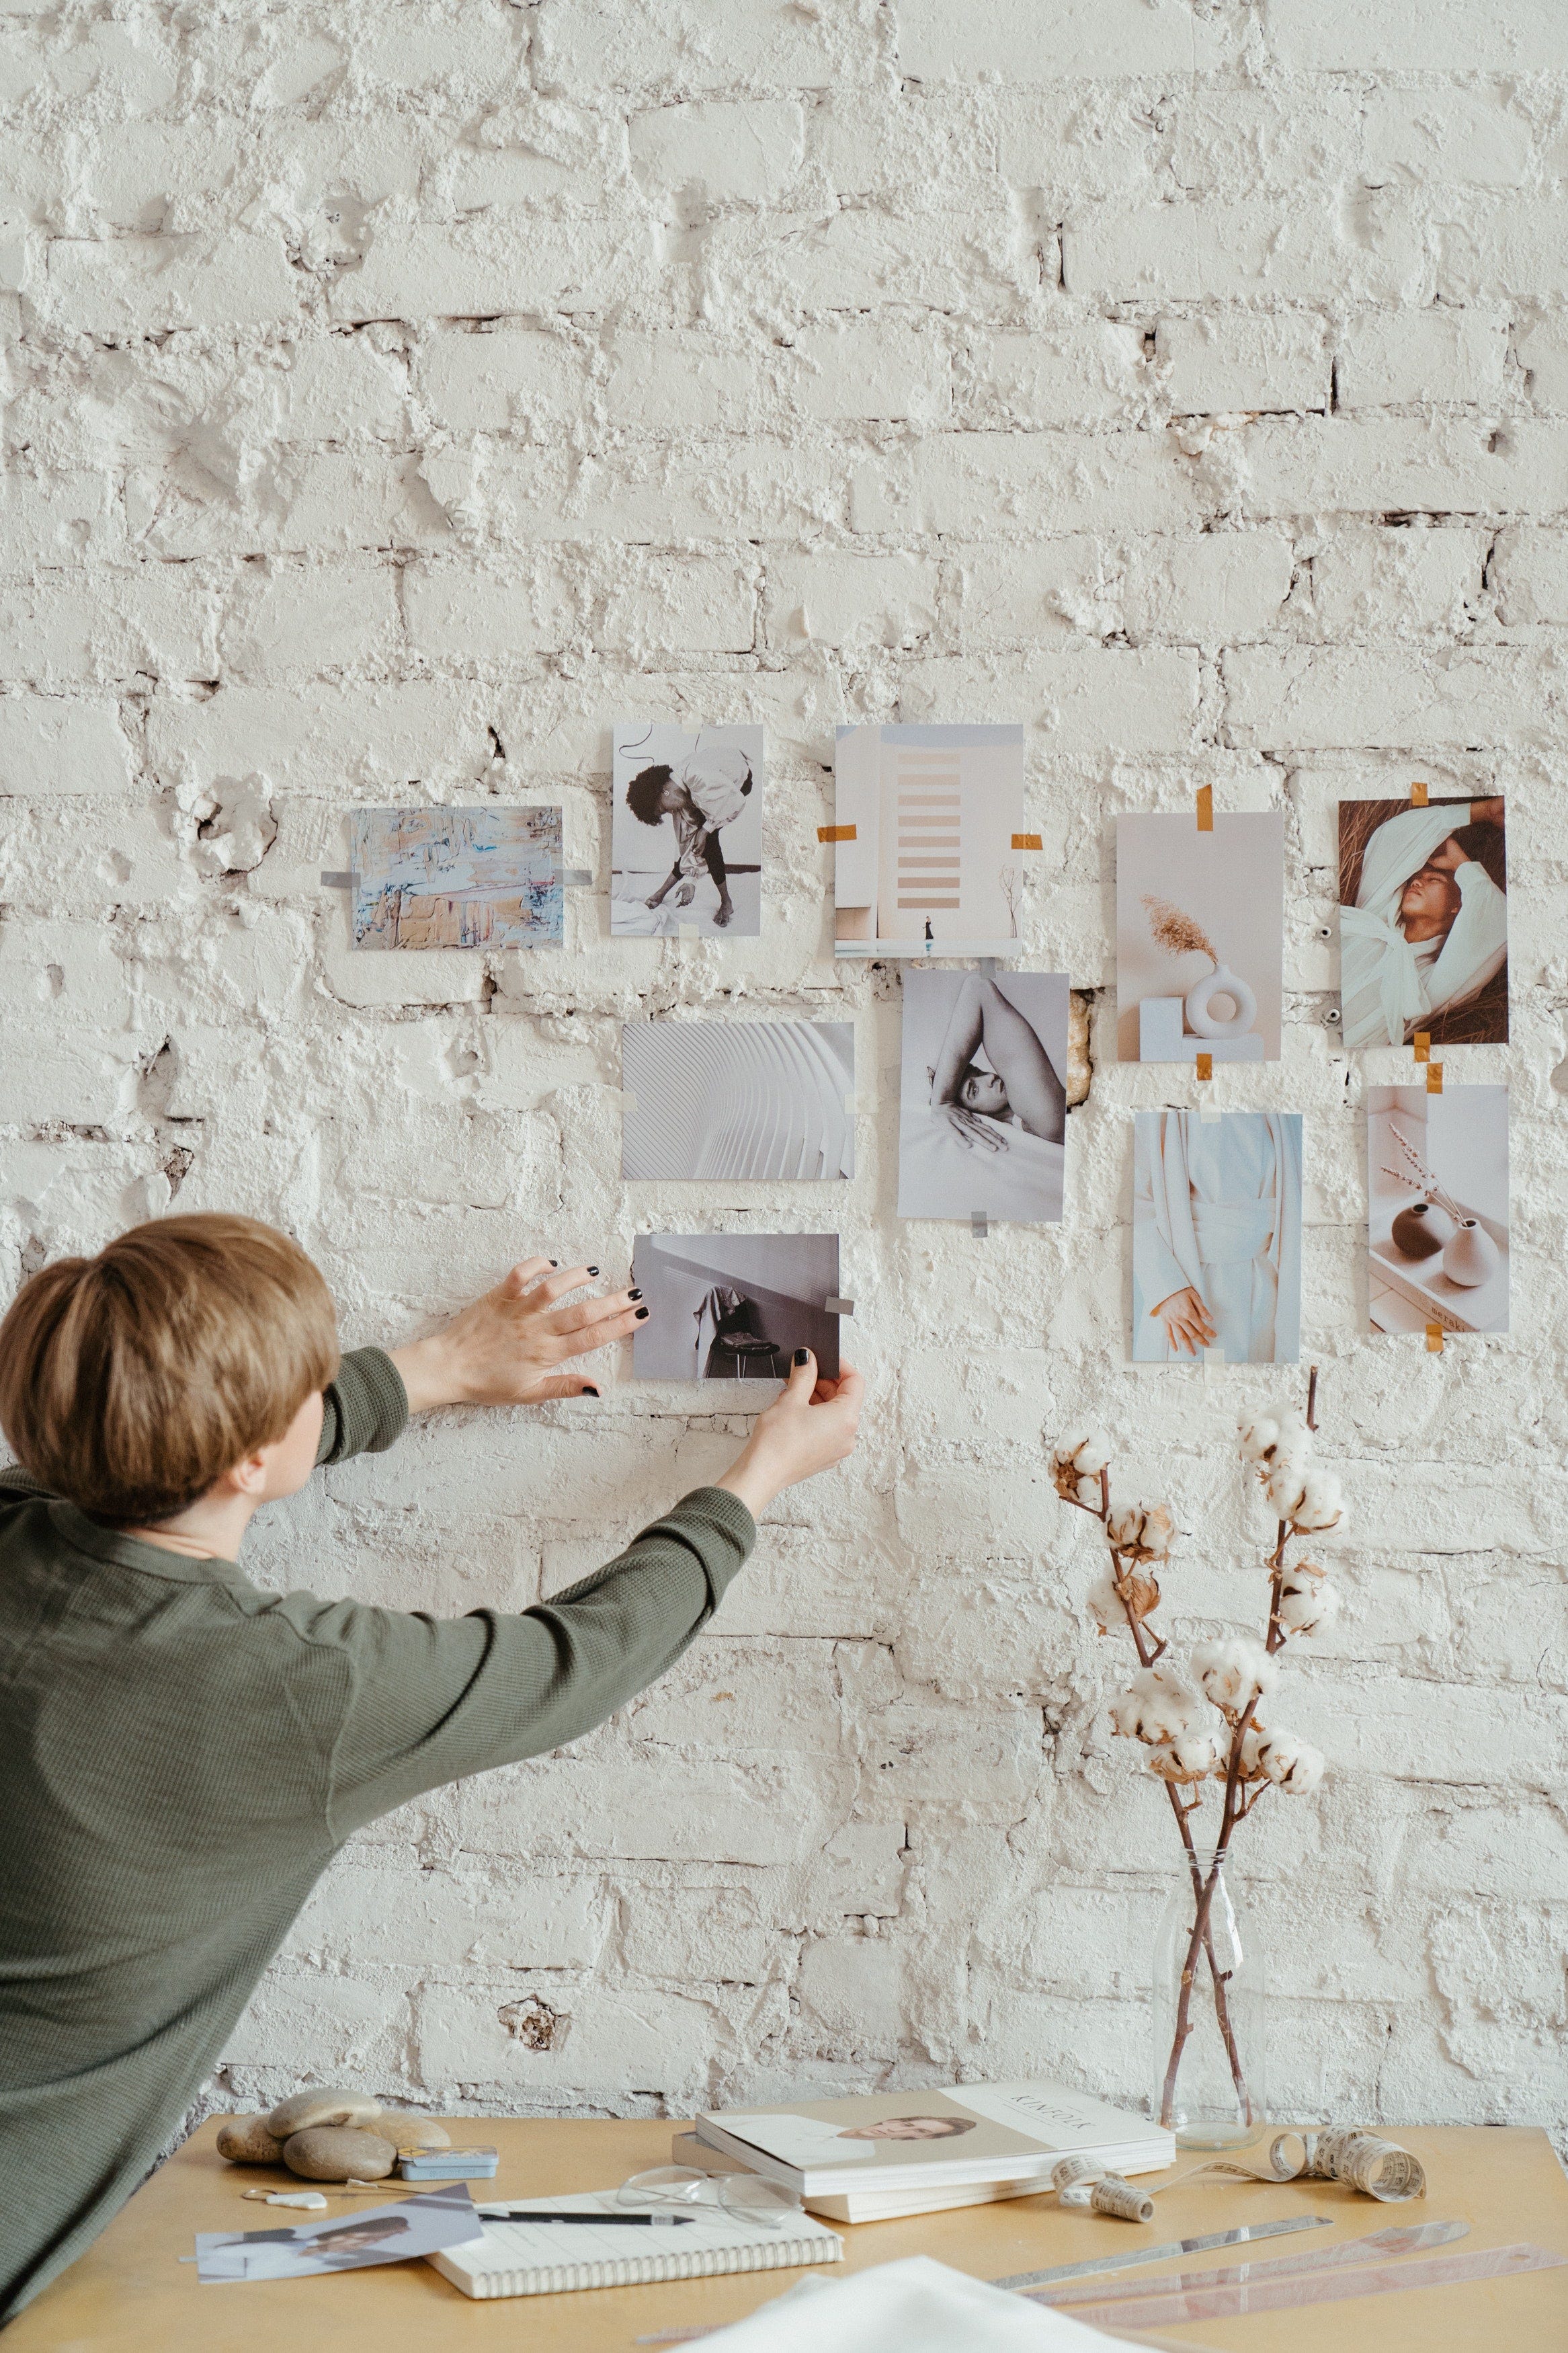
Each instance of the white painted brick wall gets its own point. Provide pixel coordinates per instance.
(383, 386)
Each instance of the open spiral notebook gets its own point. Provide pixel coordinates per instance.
(538, 2258)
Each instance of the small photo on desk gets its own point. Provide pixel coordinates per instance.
(1200, 930)
(1437, 1242)
(347, 2242)
(734, 1307)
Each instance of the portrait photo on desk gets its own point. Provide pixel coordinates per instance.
(1437, 1187)
(749, 1099)
(686, 831)
(345, 2243)
(983, 1095)
(734, 1307)
(1200, 932)
(1424, 922)
(1216, 1237)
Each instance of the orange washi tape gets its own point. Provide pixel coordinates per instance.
(835, 833)
(1434, 1078)
(1027, 841)
(1205, 1066)
(1421, 1045)
(1434, 1338)
(1418, 796)
(1205, 808)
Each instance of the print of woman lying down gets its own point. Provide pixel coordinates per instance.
(1429, 926)
(1020, 1086)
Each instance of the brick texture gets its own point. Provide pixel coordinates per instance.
(395, 399)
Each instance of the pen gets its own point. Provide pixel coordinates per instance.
(529, 2214)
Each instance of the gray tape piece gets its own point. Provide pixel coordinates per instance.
(979, 1225)
(988, 967)
(578, 876)
(334, 881)
(836, 1306)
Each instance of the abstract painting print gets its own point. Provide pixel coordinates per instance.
(1436, 1186)
(1200, 932)
(982, 1100)
(929, 828)
(686, 831)
(1216, 1237)
(738, 1099)
(734, 1307)
(446, 878)
(1424, 922)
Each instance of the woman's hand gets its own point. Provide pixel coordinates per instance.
(1187, 1321)
(1447, 857)
(809, 1426)
(971, 1129)
(501, 1350)
(1486, 812)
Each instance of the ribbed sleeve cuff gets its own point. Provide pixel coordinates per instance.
(367, 1406)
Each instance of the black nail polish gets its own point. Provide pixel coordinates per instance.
(592, 1269)
(589, 1390)
(642, 1312)
(803, 1355)
(634, 1294)
(555, 1262)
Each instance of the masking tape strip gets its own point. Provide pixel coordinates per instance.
(1434, 1078)
(578, 876)
(1418, 796)
(833, 1305)
(1434, 1338)
(1027, 841)
(988, 967)
(837, 833)
(1421, 1045)
(1205, 808)
(336, 881)
(1209, 1114)
(979, 1224)
(1214, 1362)
(1205, 1064)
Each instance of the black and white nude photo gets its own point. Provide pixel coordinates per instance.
(686, 835)
(983, 1096)
(1424, 922)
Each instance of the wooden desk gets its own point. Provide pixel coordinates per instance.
(130, 2295)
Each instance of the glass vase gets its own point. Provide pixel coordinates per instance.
(1207, 2013)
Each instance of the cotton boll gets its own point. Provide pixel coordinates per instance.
(1156, 1706)
(1292, 1763)
(1191, 1756)
(1319, 1506)
(1142, 1595)
(1076, 1464)
(1266, 1438)
(1230, 1671)
(1308, 1602)
(1285, 1487)
(1142, 1531)
(1252, 1741)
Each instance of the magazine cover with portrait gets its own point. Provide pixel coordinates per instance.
(1424, 922)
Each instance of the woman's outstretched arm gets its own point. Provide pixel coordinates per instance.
(1022, 1064)
(965, 1028)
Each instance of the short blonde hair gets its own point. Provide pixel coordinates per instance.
(132, 1381)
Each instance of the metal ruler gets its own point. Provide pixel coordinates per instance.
(1315, 2286)
(1238, 2237)
(1351, 2251)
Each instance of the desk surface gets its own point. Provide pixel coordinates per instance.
(129, 2293)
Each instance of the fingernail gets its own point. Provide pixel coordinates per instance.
(555, 1262)
(634, 1294)
(592, 1269)
(641, 1312)
(803, 1355)
(588, 1389)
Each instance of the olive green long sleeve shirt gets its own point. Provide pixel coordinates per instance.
(181, 1755)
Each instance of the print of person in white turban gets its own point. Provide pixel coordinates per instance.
(1216, 1237)
(1428, 926)
(701, 794)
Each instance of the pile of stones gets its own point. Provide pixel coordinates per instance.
(329, 2136)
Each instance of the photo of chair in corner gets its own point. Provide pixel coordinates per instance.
(728, 1326)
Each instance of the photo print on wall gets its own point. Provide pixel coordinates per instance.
(983, 1097)
(1424, 922)
(734, 1307)
(1436, 1186)
(457, 877)
(928, 826)
(1200, 929)
(738, 1099)
(686, 831)
(1216, 1237)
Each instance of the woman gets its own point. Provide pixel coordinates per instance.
(706, 792)
(985, 1131)
(1429, 926)
(1216, 1237)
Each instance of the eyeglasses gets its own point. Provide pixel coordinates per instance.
(750, 2197)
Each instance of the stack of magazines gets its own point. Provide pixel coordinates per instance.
(884, 2154)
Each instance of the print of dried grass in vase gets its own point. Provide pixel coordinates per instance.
(1180, 935)
(1211, 1724)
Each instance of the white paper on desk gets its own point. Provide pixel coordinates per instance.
(914, 2306)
